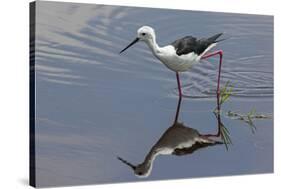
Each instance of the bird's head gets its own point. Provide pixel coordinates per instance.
(144, 33)
(142, 170)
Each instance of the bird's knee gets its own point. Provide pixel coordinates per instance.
(220, 52)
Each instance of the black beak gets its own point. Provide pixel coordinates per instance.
(136, 40)
(127, 163)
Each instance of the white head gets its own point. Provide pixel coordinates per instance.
(144, 33)
(141, 170)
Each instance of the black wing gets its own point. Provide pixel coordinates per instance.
(190, 44)
(193, 148)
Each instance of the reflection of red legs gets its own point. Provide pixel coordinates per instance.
(218, 116)
(180, 97)
(220, 53)
(178, 110)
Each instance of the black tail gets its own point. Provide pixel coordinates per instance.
(214, 39)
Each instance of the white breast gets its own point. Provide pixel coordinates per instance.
(165, 151)
(169, 58)
(169, 150)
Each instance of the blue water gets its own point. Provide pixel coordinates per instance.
(93, 104)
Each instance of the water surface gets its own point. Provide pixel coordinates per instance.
(93, 105)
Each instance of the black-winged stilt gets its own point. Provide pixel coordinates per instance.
(176, 140)
(181, 54)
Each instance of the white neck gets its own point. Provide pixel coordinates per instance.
(153, 46)
(148, 162)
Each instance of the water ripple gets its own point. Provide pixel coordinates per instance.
(65, 42)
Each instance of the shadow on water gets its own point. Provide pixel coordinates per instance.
(179, 140)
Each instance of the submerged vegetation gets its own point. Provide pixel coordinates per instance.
(249, 117)
(225, 93)
(224, 134)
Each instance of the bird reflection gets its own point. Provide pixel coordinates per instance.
(176, 140)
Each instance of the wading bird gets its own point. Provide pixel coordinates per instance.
(181, 54)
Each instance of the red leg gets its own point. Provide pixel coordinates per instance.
(179, 84)
(220, 53)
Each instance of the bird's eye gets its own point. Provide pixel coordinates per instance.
(143, 34)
